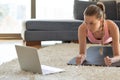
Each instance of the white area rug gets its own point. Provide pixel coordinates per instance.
(58, 55)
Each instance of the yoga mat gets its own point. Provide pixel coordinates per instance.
(93, 56)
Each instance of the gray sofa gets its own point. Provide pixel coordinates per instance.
(65, 30)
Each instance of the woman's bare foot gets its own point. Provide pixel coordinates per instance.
(80, 59)
(109, 61)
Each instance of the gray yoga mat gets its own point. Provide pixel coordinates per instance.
(93, 56)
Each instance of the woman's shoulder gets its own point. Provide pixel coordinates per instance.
(82, 27)
(108, 21)
(111, 24)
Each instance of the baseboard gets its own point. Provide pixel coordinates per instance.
(10, 36)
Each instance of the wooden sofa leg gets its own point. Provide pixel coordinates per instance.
(36, 44)
(74, 41)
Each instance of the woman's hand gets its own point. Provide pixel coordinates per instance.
(108, 60)
(80, 59)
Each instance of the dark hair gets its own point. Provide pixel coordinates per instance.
(98, 10)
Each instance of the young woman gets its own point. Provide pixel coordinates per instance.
(98, 31)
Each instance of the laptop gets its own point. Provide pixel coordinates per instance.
(29, 60)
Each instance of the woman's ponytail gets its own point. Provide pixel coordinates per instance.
(102, 7)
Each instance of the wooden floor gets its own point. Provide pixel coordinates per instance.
(8, 52)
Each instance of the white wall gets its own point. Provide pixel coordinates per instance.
(54, 9)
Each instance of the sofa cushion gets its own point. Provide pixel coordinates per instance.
(50, 35)
(80, 6)
(118, 23)
(53, 25)
(111, 9)
(119, 11)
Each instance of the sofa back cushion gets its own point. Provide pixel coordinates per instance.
(80, 6)
(119, 11)
(111, 10)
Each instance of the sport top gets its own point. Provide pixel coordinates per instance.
(107, 38)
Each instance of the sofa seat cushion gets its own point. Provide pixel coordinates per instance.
(50, 35)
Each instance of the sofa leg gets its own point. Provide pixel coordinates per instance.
(74, 41)
(36, 44)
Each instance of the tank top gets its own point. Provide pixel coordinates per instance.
(106, 37)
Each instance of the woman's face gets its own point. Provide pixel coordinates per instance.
(92, 23)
